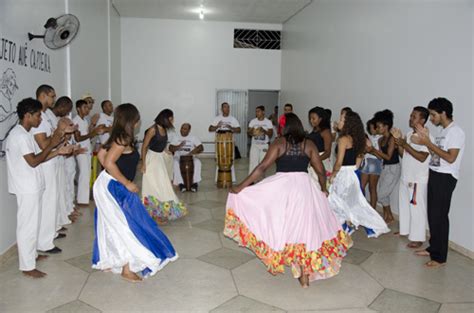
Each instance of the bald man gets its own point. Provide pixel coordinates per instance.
(186, 144)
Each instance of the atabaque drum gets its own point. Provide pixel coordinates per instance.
(225, 158)
(186, 167)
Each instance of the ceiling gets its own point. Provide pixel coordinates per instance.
(253, 11)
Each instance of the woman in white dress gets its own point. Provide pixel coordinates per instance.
(345, 195)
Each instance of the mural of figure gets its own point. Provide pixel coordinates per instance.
(8, 116)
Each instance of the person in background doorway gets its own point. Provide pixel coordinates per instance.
(260, 130)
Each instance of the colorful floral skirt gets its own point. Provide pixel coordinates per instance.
(285, 220)
(164, 211)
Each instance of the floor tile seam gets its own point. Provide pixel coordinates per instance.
(370, 275)
(66, 261)
(458, 302)
(219, 305)
(415, 296)
(82, 289)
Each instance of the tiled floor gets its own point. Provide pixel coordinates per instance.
(214, 275)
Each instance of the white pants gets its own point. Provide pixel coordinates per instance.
(63, 212)
(27, 228)
(49, 207)
(257, 153)
(413, 217)
(70, 165)
(178, 179)
(84, 178)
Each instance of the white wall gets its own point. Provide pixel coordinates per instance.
(372, 55)
(115, 50)
(89, 52)
(180, 65)
(17, 18)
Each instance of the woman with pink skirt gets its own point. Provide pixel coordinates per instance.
(285, 219)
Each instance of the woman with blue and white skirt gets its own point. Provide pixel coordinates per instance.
(127, 241)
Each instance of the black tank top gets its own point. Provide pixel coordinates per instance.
(316, 138)
(394, 159)
(158, 142)
(350, 157)
(294, 159)
(127, 164)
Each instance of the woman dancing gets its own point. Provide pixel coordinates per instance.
(127, 240)
(285, 219)
(157, 190)
(345, 196)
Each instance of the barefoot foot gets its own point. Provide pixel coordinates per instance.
(132, 277)
(41, 257)
(434, 264)
(34, 274)
(414, 244)
(422, 253)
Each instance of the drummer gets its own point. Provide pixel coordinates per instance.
(225, 123)
(186, 144)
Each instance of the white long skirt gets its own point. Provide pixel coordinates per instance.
(125, 233)
(349, 204)
(156, 180)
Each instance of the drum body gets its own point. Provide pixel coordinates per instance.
(225, 158)
(186, 167)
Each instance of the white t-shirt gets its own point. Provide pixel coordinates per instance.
(190, 142)
(47, 126)
(265, 124)
(451, 137)
(83, 128)
(228, 122)
(22, 178)
(413, 171)
(374, 139)
(52, 118)
(106, 120)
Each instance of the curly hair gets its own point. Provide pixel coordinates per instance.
(354, 128)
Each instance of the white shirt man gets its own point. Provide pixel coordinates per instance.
(413, 190)
(26, 180)
(447, 151)
(50, 200)
(186, 144)
(261, 130)
(27, 183)
(106, 118)
(225, 122)
(83, 160)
